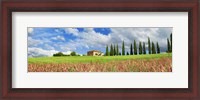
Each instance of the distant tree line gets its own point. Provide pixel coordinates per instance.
(61, 54)
(152, 48)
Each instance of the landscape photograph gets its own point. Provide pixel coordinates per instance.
(99, 49)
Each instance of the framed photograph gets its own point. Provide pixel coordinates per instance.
(110, 49)
(100, 49)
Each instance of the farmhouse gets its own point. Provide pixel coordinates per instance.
(94, 53)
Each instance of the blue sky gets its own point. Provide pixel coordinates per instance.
(47, 41)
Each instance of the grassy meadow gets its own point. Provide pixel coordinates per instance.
(129, 63)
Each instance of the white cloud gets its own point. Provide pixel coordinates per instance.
(48, 47)
(89, 38)
(33, 42)
(86, 39)
(73, 31)
(30, 31)
(38, 52)
(58, 38)
(67, 53)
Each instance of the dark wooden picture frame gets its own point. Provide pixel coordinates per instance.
(190, 6)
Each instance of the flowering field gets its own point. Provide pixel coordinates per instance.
(131, 63)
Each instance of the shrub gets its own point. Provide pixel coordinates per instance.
(58, 54)
(73, 53)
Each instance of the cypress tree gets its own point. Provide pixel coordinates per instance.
(127, 53)
(117, 53)
(158, 48)
(111, 50)
(107, 50)
(144, 48)
(114, 51)
(153, 49)
(171, 42)
(149, 45)
(123, 48)
(131, 49)
(135, 48)
(168, 45)
(140, 48)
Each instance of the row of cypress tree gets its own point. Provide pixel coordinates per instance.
(114, 49)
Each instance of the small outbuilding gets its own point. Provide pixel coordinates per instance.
(94, 53)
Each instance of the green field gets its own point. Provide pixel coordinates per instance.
(88, 59)
(130, 63)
